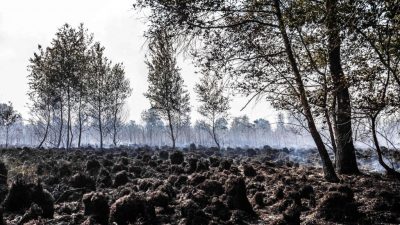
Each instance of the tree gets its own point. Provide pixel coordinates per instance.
(345, 153)
(100, 89)
(57, 79)
(262, 124)
(41, 92)
(166, 89)
(375, 97)
(255, 43)
(214, 104)
(73, 76)
(376, 79)
(8, 117)
(240, 126)
(69, 65)
(120, 91)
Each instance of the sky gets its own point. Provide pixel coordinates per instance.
(115, 24)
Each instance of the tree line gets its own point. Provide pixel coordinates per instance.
(330, 62)
(74, 87)
(73, 84)
(152, 130)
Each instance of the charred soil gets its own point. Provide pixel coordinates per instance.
(196, 186)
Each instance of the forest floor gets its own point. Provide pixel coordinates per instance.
(146, 186)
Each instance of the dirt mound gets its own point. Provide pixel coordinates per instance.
(176, 157)
(338, 205)
(19, 197)
(130, 209)
(96, 206)
(235, 190)
(23, 194)
(3, 174)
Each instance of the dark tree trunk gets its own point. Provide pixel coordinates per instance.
(61, 125)
(80, 123)
(345, 155)
(100, 128)
(390, 171)
(46, 132)
(7, 132)
(115, 128)
(171, 128)
(115, 120)
(327, 165)
(331, 132)
(71, 137)
(68, 117)
(215, 135)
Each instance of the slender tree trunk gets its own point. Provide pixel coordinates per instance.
(68, 116)
(215, 135)
(115, 123)
(71, 136)
(390, 171)
(7, 131)
(334, 123)
(115, 129)
(345, 158)
(46, 130)
(100, 127)
(80, 122)
(327, 165)
(61, 125)
(171, 129)
(331, 132)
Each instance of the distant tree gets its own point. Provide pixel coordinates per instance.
(222, 126)
(280, 123)
(152, 122)
(241, 123)
(166, 90)
(240, 126)
(8, 117)
(263, 130)
(201, 130)
(183, 126)
(262, 124)
(214, 104)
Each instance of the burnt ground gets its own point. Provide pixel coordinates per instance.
(145, 186)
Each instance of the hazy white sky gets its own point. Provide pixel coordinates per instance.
(25, 23)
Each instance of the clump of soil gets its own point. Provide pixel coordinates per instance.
(130, 209)
(22, 195)
(96, 206)
(176, 157)
(237, 197)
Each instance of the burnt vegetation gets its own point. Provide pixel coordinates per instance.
(142, 186)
